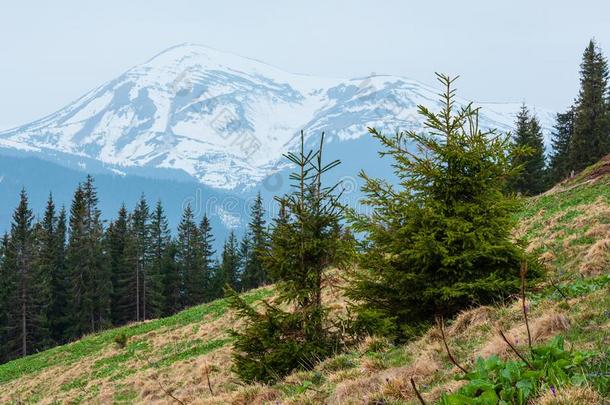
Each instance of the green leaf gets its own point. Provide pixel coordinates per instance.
(524, 389)
(489, 397)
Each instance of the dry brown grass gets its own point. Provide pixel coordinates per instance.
(596, 258)
(357, 391)
(184, 379)
(561, 239)
(543, 328)
(397, 381)
(572, 396)
(435, 393)
(469, 319)
(373, 344)
(598, 231)
(254, 394)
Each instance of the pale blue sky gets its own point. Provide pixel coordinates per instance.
(54, 51)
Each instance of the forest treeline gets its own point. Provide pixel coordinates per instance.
(68, 275)
(580, 136)
(438, 241)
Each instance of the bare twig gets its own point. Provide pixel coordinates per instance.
(555, 286)
(207, 376)
(451, 358)
(417, 392)
(169, 394)
(514, 349)
(523, 273)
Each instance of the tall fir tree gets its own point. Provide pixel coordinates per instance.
(50, 267)
(244, 255)
(4, 303)
(27, 287)
(230, 264)
(591, 138)
(559, 165)
(138, 253)
(254, 274)
(101, 286)
(305, 241)
(123, 285)
(160, 238)
(440, 241)
(207, 256)
(79, 296)
(58, 310)
(531, 179)
(189, 260)
(89, 275)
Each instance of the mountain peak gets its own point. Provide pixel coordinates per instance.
(196, 57)
(222, 119)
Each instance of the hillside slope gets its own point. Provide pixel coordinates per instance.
(569, 227)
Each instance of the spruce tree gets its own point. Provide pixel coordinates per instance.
(27, 288)
(439, 241)
(139, 258)
(254, 274)
(531, 179)
(4, 304)
(46, 263)
(559, 165)
(244, 255)
(90, 283)
(79, 296)
(160, 238)
(305, 241)
(207, 256)
(591, 138)
(229, 267)
(101, 286)
(189, 260)
(58, 311)
(123, 285)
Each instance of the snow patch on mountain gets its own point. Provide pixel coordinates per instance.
(225, 120)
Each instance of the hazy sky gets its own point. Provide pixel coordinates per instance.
(52, 52)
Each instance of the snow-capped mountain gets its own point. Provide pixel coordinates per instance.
(222, 119)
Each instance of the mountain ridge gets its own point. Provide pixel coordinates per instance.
(222, 119)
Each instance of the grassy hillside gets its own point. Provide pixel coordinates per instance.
(569, 227)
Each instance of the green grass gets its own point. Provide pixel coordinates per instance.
(89, 345)
(113, 366)
(190, 349)
(341, 362)
(393, 357)
(79, 382)
(571, 288)
(124, 395)
(565, 201)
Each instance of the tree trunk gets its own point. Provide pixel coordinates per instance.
(143, 295)
(138, 289)
(24, 340)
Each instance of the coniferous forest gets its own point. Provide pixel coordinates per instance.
(68, 275)
(439, 241)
